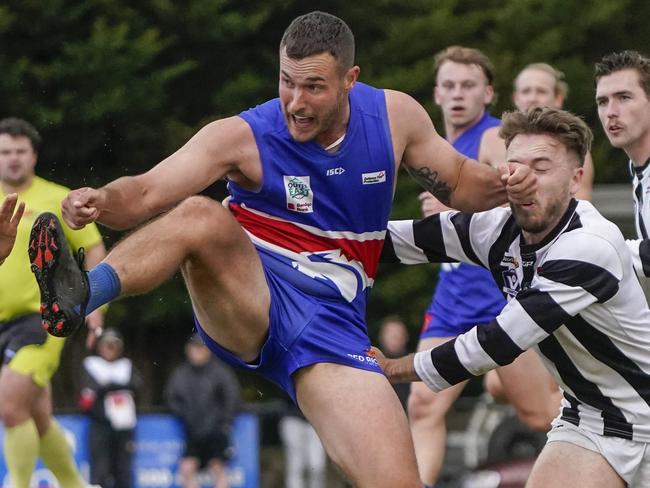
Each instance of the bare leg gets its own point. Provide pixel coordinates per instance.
(18, 395)
(188, 468)
(427, 411)
(222, 270)
(219, 474)
(563, 464)
(361, 424)
(528, 385)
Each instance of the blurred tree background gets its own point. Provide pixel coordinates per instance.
(114, 86)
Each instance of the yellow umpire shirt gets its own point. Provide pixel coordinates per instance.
(19, 294)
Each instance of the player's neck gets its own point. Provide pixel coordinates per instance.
(537, 237)
(453, 131)
(639, 152)
(332, 139)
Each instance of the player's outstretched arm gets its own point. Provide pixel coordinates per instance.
(224, 147)
(455, 180)
(10, 214)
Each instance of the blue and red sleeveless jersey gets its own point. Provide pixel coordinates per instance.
(319, 219)
(467, 295)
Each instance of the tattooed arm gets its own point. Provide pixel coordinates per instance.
(455, 180)
(429, 180)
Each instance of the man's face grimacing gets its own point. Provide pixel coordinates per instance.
(313, 94)
(536, 88)
(462, 92)
(17, 159)
(558, 178)
(623, 109)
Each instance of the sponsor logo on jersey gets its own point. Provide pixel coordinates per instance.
(335, 171)
(300, 198)
(364, 358)
(373, 178)
(507, 259)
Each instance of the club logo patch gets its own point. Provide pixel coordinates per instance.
(300, 198)
(373, 178)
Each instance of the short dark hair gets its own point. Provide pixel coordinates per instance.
(16, 127)
(567, 128)
(319, 32)
(464, 55)
(625, 60)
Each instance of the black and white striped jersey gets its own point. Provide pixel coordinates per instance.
(574, 297)
(640, 247)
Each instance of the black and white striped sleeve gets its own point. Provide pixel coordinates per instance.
(573, 275)
(640, 249)
(440, 238)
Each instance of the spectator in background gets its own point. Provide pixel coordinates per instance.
(109, 385)
(204, 393)
(393, 340)
(303, 451)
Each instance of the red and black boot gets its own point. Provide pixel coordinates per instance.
(61, 279)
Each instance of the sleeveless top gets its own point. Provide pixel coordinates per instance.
(319, 219)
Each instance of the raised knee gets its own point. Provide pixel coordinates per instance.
(198, 209)
(201, 219)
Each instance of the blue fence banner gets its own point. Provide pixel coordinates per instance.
(159, 445)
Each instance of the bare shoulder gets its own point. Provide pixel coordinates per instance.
(409, 122)
(492, 150)
(404, 110)
(230, 140)
(491, 136)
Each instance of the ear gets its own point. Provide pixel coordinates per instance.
(434, 94)
(489, 95)
(576, 180)
(351, 77)
(559, 101)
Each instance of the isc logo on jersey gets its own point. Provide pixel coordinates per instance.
(300, 198)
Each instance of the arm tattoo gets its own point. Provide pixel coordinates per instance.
(428, 179)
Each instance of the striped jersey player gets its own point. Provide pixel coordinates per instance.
(574, 297)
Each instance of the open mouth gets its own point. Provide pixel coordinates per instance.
(301, 122)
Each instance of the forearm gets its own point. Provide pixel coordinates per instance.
(479, 187)
(401, 370)
(126, 203)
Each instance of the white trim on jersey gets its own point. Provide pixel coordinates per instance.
(640, 247)
(573, 297)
